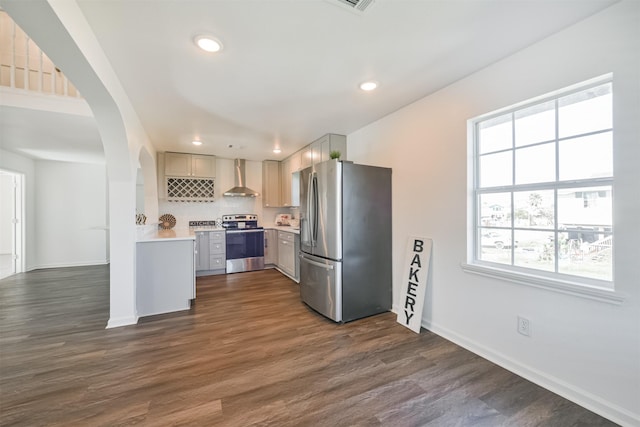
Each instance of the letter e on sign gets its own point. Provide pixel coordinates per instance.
(414, 282)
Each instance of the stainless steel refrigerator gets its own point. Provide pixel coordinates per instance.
(345, 239)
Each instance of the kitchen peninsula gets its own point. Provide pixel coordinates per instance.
(165, 271)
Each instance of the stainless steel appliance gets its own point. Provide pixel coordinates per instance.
(345, 231)
(244, 243)
(240, 189)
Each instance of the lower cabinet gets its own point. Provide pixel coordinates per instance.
(270, 247)
(288, 247)
(164, 276)
(210, 253)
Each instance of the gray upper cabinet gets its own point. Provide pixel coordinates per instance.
(286, 183)
(305, 157)
(280, 180)
(189, 165)
(328, 143)
(271, 184)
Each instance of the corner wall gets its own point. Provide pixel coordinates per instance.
(71, 214)
(585, 350)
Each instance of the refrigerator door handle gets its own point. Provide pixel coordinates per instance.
(317, 264)
(314, 234)
(312, 208)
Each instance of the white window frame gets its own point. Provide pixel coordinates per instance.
(600, 290)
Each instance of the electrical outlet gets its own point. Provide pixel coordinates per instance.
(524, 326)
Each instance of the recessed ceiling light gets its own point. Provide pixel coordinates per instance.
(368, 86)
(277, 150)
(196, 142)
(208, 43)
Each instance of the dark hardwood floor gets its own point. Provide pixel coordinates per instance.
(248, 353)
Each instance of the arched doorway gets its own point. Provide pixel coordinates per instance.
(61, 31)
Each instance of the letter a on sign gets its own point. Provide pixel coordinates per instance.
(414, 282)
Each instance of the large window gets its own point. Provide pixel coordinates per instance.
(543, 187)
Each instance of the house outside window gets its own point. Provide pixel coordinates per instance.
(543, 187)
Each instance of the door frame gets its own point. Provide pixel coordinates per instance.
(18, 229)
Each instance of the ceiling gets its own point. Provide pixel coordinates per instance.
(290, 69)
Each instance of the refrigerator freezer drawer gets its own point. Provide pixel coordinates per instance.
(321, 285)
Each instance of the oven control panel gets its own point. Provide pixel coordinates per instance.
(233, 222)
(241, 217)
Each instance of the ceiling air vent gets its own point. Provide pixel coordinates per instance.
(359, 5)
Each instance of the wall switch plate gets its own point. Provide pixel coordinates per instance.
(524, 326)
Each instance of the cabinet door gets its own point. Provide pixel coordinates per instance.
(270, 246)
(295, 161)
(295, 189)
(305, 157)
(337, 143)
(286, 183)
(202, 250)
(286, 253)
(203, 166)
(325, 149)
(271, 184)
(316, 150)
(177, 164)
(296, 257)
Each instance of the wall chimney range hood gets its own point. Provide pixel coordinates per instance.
(240, 190)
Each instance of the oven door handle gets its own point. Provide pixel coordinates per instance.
(244, 231)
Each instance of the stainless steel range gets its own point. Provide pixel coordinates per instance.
(245, 243)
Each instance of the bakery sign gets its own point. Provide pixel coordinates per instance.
(414, 282)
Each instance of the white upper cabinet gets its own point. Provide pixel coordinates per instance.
(189, 165)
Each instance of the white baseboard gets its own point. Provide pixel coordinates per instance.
(122, 321)
(581, 397)
(69, 264)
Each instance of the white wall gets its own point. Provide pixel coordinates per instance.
(20, 164)
(71, 201)
(586, 350)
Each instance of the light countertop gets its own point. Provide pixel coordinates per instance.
(168, 235)
(286, 228)
(189, 233)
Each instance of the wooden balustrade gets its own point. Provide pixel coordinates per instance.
(24, 66)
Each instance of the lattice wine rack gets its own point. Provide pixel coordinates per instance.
(190, 189)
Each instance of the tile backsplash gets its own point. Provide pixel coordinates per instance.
(192, 211)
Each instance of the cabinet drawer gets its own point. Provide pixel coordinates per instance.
(217, 262)
(216, 236)
(283, 235)
(216, 248)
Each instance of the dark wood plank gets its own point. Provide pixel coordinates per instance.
(247, 353)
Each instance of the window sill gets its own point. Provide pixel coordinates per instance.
(556, 285)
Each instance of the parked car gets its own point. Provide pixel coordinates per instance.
(495, 239)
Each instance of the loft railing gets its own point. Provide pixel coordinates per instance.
(24, 66)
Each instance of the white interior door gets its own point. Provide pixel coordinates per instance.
(11, 230)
